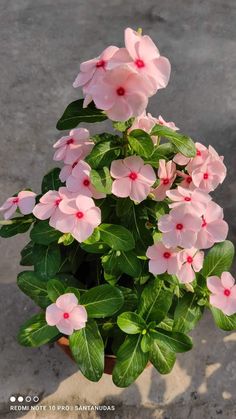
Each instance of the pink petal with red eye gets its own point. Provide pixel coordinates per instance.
(67, 302)
(53, 314)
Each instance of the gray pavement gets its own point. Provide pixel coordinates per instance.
(41, 45)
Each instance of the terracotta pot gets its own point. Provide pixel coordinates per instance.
(110, 360)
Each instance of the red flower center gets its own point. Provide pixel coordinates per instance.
(86, 182)
(205, 176)
(189, 179)
(100, 63)
(167, 255)
(79, 214)
(70, 141)
(204, 223)
(15, 200)
(57, 202)
(166, 181)
(189, 259)
(199, 153)
(139, 63)
(120, 91)
(227, 292)
(179, 226)
(133, 176)
(66, 315)
(187, 198)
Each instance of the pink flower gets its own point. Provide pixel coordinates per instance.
(170, 124)
(92, 71)
(74, 146)
(223, 293)
(196, 199)
(192, 261)
(50, 203)
(166, 174)
(213, 229)
(162, 259)
(209, 175)
(133, 178)
(121, 93)
(66, 314)
(179, 228)
(25, 201)
(143, 57)
(78, 216)
(79, 181)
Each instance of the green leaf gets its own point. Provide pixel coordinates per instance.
(117, 237)
(27, 255)
(51, 181)
(33, 286)
(146, 343)
(102, 301)
(131, 323)
(88, 351)
(131, 361)
(218, 259)
(187, 313)
(55, 288)
(141, 142)
(36, 332)
(222, 321)
(101, 180)
(16, 225)
(47, 260)
(75, 114)
(103, 154)
(175, 341)
(183, 143)
(42, 233)
(155, 301)
(161, 357)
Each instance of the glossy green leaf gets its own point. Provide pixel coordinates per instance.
(131, 323)
(116, 236)
(102, 301)
(141, 142)
(88, 350)
(42, 233)
(75, 114)
(36, 332)
(131, 361)
(35, 287)
(183, 143)
(218, 259)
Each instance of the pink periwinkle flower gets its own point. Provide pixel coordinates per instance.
(66, 314)
(213, 228)
(121, 93)
(78, 216)
(167, 175)
(133, 178)
(75, 146)
(169, 124)
(179, 228)
(25, 201)
(142, 56)
(162, 259)
(50, 203)
(191, 261)
(79, 181)
(92, 71)
(196, 199)
(223, 293)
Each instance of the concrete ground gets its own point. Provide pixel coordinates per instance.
(41, 45)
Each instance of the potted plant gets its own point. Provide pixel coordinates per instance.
(117, 235)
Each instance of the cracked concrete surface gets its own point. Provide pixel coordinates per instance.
(41, 45)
